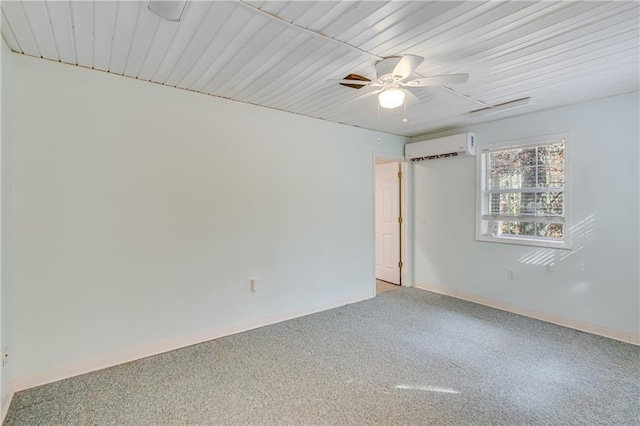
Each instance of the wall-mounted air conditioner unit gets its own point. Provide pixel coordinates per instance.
(462, 145)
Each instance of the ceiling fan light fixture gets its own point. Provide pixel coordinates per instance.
(391, 98)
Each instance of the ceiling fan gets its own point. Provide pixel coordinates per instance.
(396, 77)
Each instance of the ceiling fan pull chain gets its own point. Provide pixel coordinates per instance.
(404, 104)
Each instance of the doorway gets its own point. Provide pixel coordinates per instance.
(389, 223)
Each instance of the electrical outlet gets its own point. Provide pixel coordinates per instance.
(253, 285)
(5, 357)
(511, 274)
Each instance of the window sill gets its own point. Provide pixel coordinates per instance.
(564, 245)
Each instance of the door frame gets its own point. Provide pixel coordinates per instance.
(406, 246)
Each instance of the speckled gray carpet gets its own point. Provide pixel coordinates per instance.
(406, 357)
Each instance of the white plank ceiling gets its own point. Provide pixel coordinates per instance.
(279, 54)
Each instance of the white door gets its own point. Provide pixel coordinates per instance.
(387, 223)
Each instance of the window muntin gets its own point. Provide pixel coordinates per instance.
(522, 195)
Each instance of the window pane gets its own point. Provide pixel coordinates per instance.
(550, 230)
(528, 203)
(509, 204)
(527, 177)
(508, 178)
(512, 158)
(550, 204)
(553, 177)
(551, 162)
(533, 229)
(551, 155)
(519, 228)
(494, 203)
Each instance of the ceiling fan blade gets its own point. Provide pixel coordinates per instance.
(410, 98)
(407, 64)
(412, 76)
(369, 87)
(362, 96)
(437, 80)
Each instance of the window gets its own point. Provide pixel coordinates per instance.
(522, 196)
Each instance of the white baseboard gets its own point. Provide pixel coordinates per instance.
(128, 355)
(587, 327)
(6, 402)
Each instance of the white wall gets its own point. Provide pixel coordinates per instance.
(141, 212)
(5, 227)
(598, 281)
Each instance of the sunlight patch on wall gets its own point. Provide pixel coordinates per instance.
(538, 257)
(582, 234)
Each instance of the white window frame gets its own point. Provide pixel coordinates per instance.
(481, 199)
